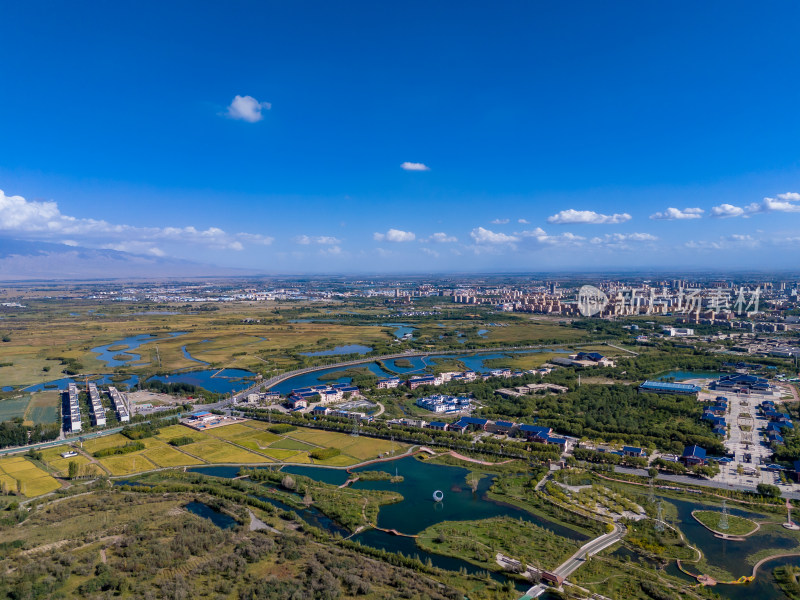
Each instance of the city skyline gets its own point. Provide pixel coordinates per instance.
(405, 139)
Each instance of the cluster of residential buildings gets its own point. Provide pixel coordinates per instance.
(778, 421)
(70, 409)
(97, 412)
(120, 402)
(715, 414)
(321, 394)
(440, 403)
(327, 411)
(456, 376)
(584, 359)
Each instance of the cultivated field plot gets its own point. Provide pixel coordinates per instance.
(13, 407)
(217, 451)
(290, 444)
(33, 481)
(52, 458)
(125, 464)
(167, 456)
(103, 442)
(44, 407)
(285, 455)
(362, 448)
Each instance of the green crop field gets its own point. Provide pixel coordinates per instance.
(290, 444)
(218, 451)
(12, 408)
(44, 407)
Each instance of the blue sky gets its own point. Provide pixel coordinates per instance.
(535, 135)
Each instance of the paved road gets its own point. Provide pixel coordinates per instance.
(273, 381)
(709, 483)
(60, 442)
(569, 566)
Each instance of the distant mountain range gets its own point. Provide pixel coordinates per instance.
(26, 260)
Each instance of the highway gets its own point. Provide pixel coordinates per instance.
(569, 566)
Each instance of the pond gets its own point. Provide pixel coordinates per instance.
(313, 378)
(732, 556)
(219, 519)
(402, 329)
(220, 381)
(106, 355)
(338, 350)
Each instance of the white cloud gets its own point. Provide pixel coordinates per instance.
(624, 237)
(412, 166)
(331, 251)
(541, 236)
(442, 238)
(587, 216)
(672, 214)
(323, 240)
(499, 221)
(730, 242)
(773, 205)
(394, 235)
(430, 252)
(486, 236)
(44, 220)
(247, 108)
(726, 210)
(523, 221)
(783, 203)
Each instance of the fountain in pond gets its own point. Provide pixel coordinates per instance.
(438, 496)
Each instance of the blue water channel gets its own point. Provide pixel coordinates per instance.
(131, 343)
(190, 357)
(313, 378)
(219, 519)
(220, 381)
(401, 329)
(339, 350)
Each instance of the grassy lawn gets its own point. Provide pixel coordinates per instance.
(33, 480)
(736, 525)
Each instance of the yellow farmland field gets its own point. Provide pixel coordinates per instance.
(62, 464)
(167, 456)
(223, 452)
(34, 480)
(231, 432)
(360, 447)
(284, 455)
(125, 464)
(107, 441)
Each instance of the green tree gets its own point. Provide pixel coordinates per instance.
(769, 490)
(73, 469)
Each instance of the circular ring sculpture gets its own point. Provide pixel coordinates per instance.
(438, 496)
